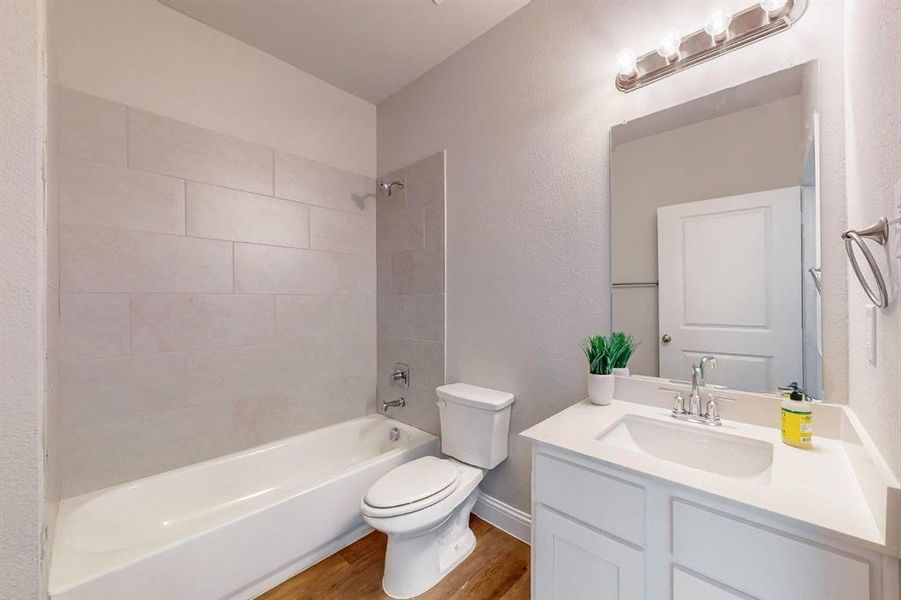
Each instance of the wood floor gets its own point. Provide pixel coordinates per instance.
(498, 569)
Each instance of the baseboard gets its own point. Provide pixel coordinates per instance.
(503, 516)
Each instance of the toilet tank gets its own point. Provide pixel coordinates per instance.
(475, 423)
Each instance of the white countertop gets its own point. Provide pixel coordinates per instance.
(816, 486)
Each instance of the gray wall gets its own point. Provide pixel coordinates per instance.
(411, 289)
(215, 293)
(524, 113)
(26, 499)
(874, 190)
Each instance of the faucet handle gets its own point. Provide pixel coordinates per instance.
(712, 413)
(679, 404)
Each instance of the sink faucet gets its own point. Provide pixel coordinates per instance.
(702, 365)
(399, 403)
(697, 412)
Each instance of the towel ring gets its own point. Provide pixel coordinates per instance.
(878, 232)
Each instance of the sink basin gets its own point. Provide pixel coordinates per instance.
(693, 446)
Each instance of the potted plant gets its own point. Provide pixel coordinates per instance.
(600, 377)
(620, 349)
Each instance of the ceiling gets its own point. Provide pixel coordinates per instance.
(370, 48)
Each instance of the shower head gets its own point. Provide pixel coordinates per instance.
(387, 187)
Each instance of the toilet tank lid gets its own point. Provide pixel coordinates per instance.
(475, 396)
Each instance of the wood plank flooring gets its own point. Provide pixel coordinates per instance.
(498, 569)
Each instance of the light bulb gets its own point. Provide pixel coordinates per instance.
(669, 44)
(626, 64)
(717, 25)
(774, 8)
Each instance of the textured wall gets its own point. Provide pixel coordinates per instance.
(23, 288)
(524, 113)
(145, 54)
(411, 289)
(214, 293)
(873, 111)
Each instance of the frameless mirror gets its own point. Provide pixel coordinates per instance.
(715, 236)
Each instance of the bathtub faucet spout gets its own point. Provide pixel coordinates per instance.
(400, 403)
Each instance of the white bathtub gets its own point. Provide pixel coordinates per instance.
(231, 527)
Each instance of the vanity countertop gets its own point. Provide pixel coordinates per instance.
(816, 486)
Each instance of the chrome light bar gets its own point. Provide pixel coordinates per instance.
(746, 27)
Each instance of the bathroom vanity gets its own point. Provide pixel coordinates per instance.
(629, 503)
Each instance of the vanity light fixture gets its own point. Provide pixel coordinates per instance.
(722, 33)
(774, 8)
(717, 26)
(668, 48)
(626, 64)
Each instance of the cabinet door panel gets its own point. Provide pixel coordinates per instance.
(761, 562)
(575, 562)
(688, 587)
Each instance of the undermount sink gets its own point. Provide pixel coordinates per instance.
(692, 446)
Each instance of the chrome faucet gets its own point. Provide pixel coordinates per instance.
(709, 414)
(399, 403)
(702, 365)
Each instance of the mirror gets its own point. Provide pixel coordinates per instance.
(715, 227)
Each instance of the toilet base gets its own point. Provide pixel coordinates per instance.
(416, 563)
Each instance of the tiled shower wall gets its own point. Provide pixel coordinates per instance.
(411, 289)
(216, 294)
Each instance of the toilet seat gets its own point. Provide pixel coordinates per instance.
(412, 486)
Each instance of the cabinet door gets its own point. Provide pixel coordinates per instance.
(575, 562)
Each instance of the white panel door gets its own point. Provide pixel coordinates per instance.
(575, 562)
(730, 277)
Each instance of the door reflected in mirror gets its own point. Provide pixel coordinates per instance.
(715, 236)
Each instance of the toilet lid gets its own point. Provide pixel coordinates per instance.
(413, 481)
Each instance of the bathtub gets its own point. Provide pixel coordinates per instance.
(231, 527)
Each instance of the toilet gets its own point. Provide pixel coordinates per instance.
(423, 506)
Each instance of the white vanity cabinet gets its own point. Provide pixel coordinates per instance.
(604, 533)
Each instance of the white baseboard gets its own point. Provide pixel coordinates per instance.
(503, 516)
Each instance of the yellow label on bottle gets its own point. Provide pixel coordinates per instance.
(797, 428)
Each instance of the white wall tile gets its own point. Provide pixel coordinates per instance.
(221, 213)
(107, 453)
(325, 318)
(418, 272)
(110, 389)
(269, 270)
(342, 231)
(434, 224)
(173, 322)
(94, 325)
(91, 128)
(426, 359)
(400, 228)
(91, 193)
(416, 317)
(174, 148)
(220, 374)
(110, 260)
(312, 182)
(425, 180)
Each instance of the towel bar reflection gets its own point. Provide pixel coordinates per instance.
(878, 232)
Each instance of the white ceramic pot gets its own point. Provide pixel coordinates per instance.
(623, 372)
(600, 388)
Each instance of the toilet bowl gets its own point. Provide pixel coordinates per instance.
(424, 505)
(428, 528)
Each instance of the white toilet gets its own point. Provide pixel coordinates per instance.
(424, 505)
